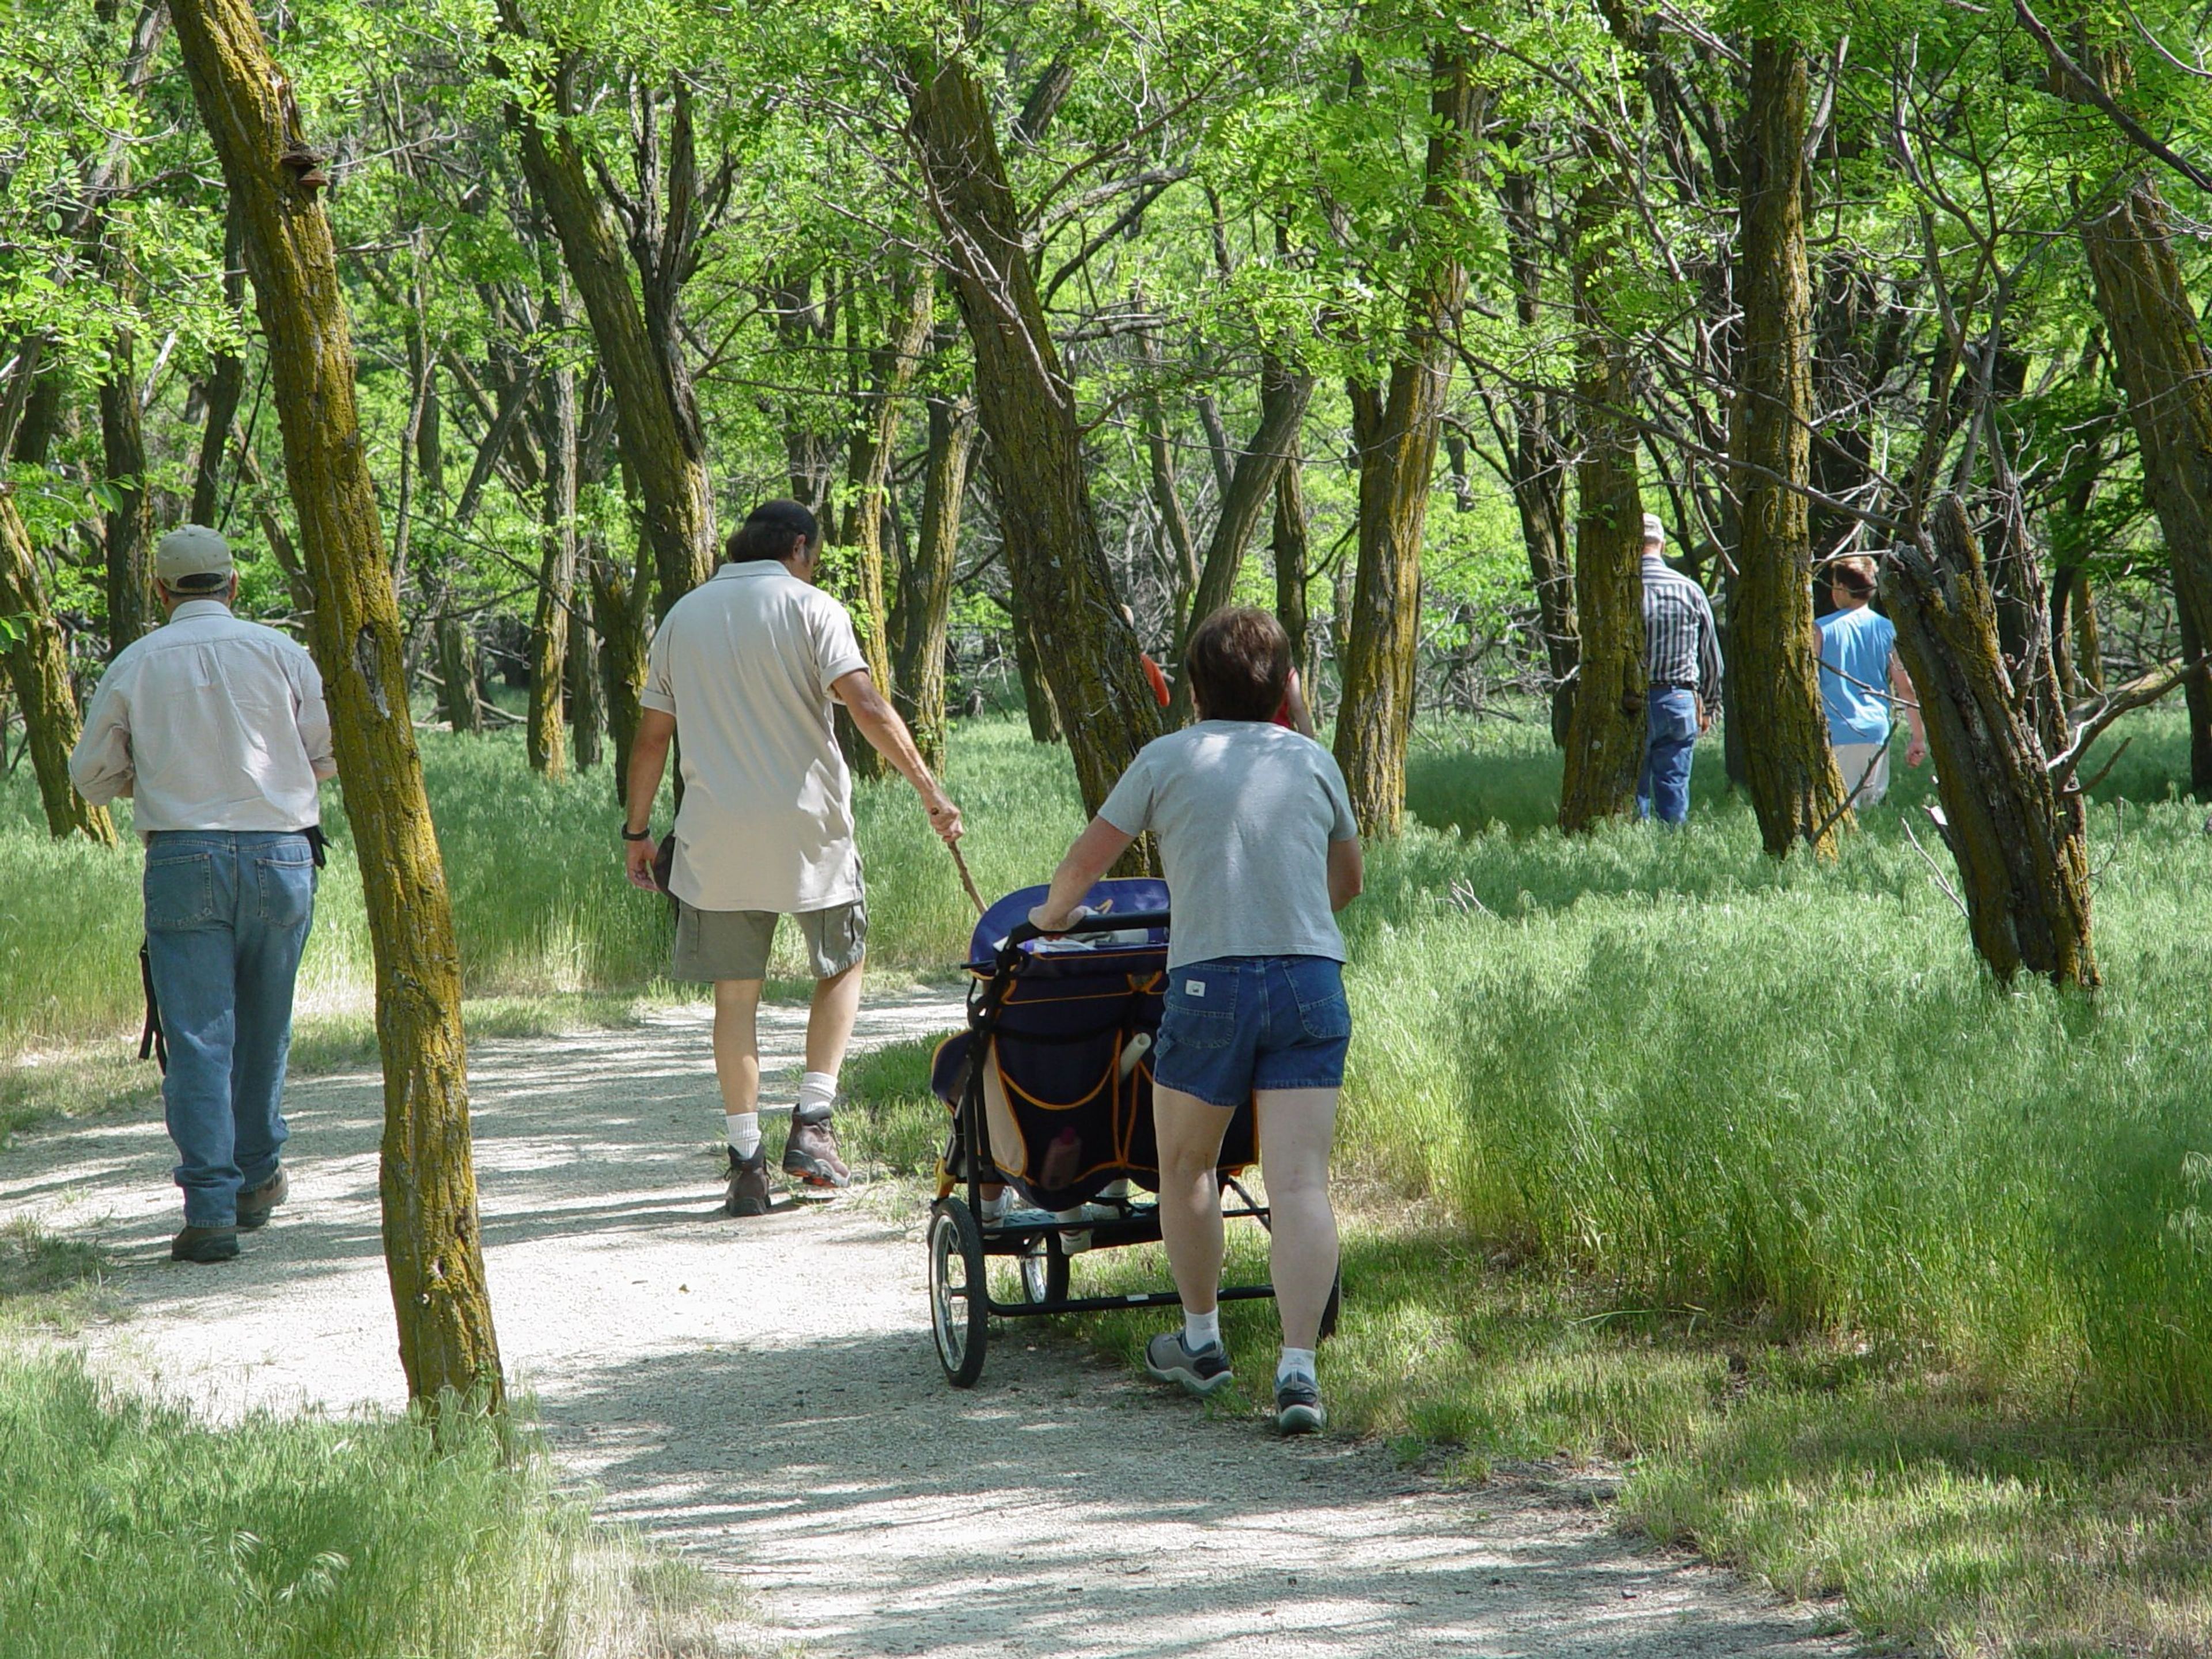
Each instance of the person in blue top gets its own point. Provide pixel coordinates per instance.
(1858, 659)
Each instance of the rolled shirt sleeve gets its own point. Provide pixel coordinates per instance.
(836, 647)
(659, 691)
(100, 765)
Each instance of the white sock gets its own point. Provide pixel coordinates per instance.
(816, 1091)
(744, 1131)
(1202, 1330)
(1295, 1362)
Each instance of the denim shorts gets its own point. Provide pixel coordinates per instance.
(1235, 1024)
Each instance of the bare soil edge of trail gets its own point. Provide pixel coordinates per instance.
(763, 1396)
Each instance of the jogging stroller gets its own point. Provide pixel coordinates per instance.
(1051, 1098)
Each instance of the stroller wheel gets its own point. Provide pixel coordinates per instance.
(959, 1314)
(1044, 1270)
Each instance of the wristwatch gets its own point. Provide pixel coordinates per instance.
(645, 834)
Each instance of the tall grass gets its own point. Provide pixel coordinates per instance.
(535, 872)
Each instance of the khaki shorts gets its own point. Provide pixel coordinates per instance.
(734, 943)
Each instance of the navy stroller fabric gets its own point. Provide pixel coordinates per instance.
(1070, 1012)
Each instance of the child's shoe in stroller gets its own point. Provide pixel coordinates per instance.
(811, 1154)
(748, 1192)
(1298, 1405)
(1202, 1373)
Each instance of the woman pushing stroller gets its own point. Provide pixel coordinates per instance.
(1260, 850)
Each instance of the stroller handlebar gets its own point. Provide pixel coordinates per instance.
(1108, 922)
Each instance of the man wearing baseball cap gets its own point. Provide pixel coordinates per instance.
(1682, 660)
(217, 728)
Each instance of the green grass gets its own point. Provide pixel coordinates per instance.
(1872, 1278)
(137, 1531)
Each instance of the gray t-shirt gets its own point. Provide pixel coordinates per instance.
(1244, 811)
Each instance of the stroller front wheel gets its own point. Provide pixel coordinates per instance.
(959, 1314)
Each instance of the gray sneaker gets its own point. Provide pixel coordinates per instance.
(748, 1193)
(809, 1154)
(1203, 1373)
(255, 1203)
(1298, 1405)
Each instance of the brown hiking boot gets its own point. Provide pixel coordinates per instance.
(255, 1203)
(204, 1244)
(748, 1193)
(811, 1154)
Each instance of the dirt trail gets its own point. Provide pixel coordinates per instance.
(763, 1394)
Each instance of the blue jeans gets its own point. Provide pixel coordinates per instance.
(1235, 1024)
(1670, 737)
(227, 917)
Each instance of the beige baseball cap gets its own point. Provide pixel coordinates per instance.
(1653, 530)
(192, 558)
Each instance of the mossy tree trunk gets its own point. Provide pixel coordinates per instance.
(637, 328)
(1293, 560)
(432, 1243)
(619, 609)
(557, 570)
(38, 668)
(854, 570)
(225, 385)
(457, 671)
(2019, 844)
(1795, 787)
(1026, 405)
(1539, 462)
(129, 520)
(1396, 426)
(1606, 727)
(1283, 394)
(918, 683)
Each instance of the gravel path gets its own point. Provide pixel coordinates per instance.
(764, 1395)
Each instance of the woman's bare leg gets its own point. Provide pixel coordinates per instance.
(1190, 1132)
(1297, 1127)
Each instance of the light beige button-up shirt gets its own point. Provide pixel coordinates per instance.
(744, 663)
(208, 723)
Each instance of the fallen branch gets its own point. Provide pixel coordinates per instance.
(1935, 872)
(2139, 693)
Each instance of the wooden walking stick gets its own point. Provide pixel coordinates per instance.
(966, 880)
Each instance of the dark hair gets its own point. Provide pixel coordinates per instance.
(1238, 661)
(768, 531)
(1854, 574)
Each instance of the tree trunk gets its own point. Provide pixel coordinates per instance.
(1027, 408)
(1795, 786)
(618, 617)
(2158, 348)
(129, 518)
(919, 679)
(2022, 860)
(586, 698)
(640, 349)
(38, 668)
(1606, 729)
(1397, 456)
(1283, 399)
(556, 572)
(2196, 698)
(456, 672)
(1167, 498)
(431, 1238)
(226, 382)
(855, 568)
(1539, 466)
(1293, 565)
(1037, 699)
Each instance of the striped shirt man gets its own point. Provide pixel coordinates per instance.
(1682, 651)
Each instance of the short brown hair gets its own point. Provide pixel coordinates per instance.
(1854, 574)
(1238, 661)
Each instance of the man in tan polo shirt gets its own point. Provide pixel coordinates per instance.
(748, 666)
